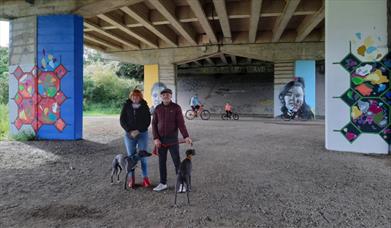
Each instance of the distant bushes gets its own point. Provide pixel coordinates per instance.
(103, 90)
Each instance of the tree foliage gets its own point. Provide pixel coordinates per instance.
(3, 75)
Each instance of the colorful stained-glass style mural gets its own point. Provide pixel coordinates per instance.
(369, 94)
(39, 97)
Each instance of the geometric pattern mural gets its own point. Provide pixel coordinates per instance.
(369, 97)
(39, 97)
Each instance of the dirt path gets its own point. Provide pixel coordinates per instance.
(248, 173)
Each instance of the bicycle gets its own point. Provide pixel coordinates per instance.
(203, 113)
(233, 116)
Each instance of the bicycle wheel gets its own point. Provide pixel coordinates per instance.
(205, 115)
(189, 114)
(235, 116)
(224, 116)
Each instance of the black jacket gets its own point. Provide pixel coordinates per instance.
(135, 119)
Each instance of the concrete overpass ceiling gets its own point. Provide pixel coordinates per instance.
(156, 24)
(221, 59)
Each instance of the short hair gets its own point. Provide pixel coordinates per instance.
(137, 93)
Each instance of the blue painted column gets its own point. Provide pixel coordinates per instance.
(306, 70)
(60, 77)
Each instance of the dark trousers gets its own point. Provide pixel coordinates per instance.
(174, 151)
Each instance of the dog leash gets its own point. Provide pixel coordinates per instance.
(155, 149)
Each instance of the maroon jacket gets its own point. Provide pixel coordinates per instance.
(167, 119)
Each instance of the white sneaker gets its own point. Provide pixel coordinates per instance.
(160, 187)
(182, 188)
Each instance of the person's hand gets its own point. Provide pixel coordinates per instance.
(188, 140)
(134, 133)
(157, 143)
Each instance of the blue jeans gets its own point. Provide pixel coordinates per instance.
(142, 144)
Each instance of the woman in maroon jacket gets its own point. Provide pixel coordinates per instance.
(167, 119)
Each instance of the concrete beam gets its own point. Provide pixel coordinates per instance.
(223, 59)
(309, 23)
(167, 9)
(112, 36)
(233, 59)
(266, 52)
(141, 37)
(195, 5)
(139, 12)
(102, 42)
(254, 19)
(283, 20)
(221, 10)
(103, 6)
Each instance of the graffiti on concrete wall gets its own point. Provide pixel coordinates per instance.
(369, 93)
(157, 87)
(292, 98)
(39, 97)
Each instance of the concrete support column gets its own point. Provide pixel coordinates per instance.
(358, 66)
(22, 75)
(167, 76)
(283, 73)
(46, 76)
(306, 70)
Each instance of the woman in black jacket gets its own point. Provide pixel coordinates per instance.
(135, 119)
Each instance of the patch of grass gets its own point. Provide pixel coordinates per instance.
(24, 136)
(4, 121)
(4, 127)
(101, 109)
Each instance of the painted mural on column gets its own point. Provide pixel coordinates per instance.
(39, 96)
(292, 98)
(157, 87)
(369, 95)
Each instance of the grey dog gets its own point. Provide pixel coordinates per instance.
(184, 175)
(126, 163)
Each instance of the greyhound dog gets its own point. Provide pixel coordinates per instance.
(183, 183)
(126, 163)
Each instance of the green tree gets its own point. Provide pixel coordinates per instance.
(3, 75)
(131, 71)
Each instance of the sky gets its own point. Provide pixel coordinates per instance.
(4, 33)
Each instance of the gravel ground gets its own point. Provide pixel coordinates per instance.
(247, 173)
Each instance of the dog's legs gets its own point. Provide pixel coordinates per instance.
(187, 189)
(118, 173)
(176, 188)
(126, 180)
(113, 171)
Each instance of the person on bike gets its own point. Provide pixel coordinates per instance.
(228, 109)
(195, 103)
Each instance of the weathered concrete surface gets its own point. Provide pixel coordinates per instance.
(272, 52)
(249, 93)
(248, 173)
(10, 9)
(22, 53)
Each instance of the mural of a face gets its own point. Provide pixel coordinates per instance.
(294, 98)
(155, 93)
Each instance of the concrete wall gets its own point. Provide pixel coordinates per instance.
(22, 53)
(248, 93)
(357, 76)
(320, 98)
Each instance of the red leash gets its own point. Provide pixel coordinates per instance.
(155, 149)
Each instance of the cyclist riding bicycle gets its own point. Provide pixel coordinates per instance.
(195, 104)
(228, 109)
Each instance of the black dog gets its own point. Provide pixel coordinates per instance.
(127, 163)
(183, 183)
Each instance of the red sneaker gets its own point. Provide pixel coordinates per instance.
(131, 182)
(146, 182)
